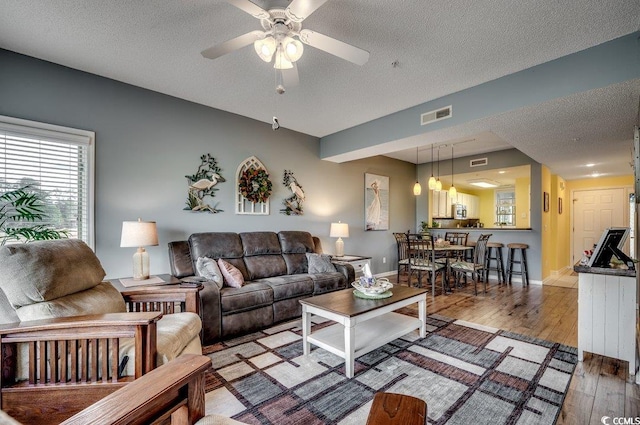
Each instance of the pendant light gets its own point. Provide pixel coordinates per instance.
(432, 180)
(417, 189)
(452, 190)
(438, 182)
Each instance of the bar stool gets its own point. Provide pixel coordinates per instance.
(522, 248)
(494, 253)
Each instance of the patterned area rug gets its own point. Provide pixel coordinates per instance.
(467, 374)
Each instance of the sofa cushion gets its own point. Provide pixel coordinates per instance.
(320, 263)
(208, 268)
(103, 298)
(219, 245)
(289, 286)
(327, 282)
(232, 276)
(262, 255)
(46, 270)
(295, 244)
(250, 296)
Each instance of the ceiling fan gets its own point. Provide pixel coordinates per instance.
(282, 37)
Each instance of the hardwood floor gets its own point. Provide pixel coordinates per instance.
(600, 385)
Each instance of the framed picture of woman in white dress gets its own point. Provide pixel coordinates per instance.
(376, 199)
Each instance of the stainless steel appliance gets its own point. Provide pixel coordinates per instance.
(459, 211)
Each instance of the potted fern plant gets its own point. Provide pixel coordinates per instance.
(18, 208)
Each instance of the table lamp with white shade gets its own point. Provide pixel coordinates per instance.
(139, 234)
(339, 230)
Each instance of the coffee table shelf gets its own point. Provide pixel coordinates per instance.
(372, 334)
(361, 325)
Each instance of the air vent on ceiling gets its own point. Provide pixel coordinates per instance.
(478, 162)
(437, 115)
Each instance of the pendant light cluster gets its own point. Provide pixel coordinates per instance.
(434, 183)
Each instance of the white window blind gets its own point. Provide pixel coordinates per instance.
(57, 162)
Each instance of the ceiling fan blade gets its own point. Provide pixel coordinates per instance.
(299, 10)
(251, 8)
(335, 47)
(232, 45)
(290, 76)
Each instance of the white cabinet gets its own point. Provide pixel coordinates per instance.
(607, 317)
(472, 202)
(440, 204)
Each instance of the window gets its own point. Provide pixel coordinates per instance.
(58, 163)
(505, 207)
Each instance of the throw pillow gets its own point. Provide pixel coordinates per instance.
(208, 268)
(232, 276)
(320, 263)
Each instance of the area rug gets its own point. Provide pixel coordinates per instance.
(467, 374)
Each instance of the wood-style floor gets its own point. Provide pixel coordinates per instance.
(600, 386)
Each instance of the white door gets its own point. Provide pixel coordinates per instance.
(594, 211)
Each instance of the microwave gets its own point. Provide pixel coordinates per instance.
(459, 211)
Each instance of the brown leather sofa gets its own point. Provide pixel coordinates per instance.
(275, 270)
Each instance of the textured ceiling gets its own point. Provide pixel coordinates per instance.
(440, 48)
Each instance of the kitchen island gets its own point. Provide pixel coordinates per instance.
(607, 315)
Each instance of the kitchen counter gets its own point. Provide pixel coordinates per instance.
(609, 271)
(480, 229)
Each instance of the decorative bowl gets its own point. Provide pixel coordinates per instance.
(372, 286)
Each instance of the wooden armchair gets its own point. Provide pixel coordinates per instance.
(72, 362)
(67, 342)
(173, 393)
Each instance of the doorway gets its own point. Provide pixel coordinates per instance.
(594, 211)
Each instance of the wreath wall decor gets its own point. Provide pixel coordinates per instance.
(293, 204)
(201, 185)
(255, 185)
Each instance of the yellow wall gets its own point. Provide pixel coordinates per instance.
(599, 183)
(487, 204)
(556, 227)
(548, 249)
(523, 200)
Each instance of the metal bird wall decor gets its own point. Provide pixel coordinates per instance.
(293, 204)
(201, 185)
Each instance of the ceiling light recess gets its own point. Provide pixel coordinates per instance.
(484, 183)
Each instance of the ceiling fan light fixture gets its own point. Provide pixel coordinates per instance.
(281, 61)
(265, 48)
(292, 48)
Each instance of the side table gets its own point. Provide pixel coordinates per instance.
(168, 298)
(358, 262)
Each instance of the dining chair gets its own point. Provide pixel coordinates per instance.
(422, 256)
(403, 253)
(474, 268)
(454, 238)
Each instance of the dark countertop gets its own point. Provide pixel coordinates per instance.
(581, 268)
(482, 229)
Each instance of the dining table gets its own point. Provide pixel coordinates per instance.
(442, 248)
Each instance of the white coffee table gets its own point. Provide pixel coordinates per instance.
(362, 324)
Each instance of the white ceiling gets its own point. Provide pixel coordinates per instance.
(440, 48)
